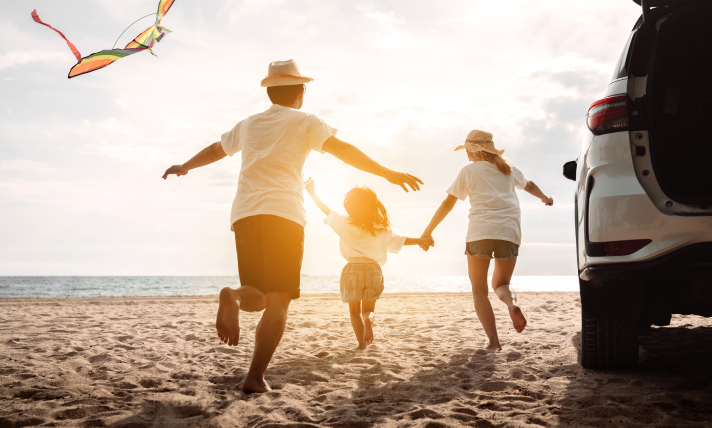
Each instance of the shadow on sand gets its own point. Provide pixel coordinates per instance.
(671, 387)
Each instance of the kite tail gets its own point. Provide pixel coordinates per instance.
(71, 46)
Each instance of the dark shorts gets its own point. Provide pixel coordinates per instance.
(269, 253)
(502, 250)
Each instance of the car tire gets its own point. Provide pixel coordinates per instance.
(609, 343)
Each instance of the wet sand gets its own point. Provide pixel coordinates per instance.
(156, 361)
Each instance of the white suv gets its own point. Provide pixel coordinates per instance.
(644, 185)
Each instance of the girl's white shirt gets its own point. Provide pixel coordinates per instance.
(494, 206)
(357, 243)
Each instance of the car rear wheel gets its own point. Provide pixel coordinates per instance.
(609, 343)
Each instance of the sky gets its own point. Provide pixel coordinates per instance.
(81, 160)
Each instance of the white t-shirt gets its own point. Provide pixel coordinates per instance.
(494, 207)
(274, 144)
(354, 242)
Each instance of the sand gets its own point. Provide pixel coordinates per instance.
(156, 361)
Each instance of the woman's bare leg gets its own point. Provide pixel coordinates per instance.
(503, 270)
(357, 322)
(369, 306)
(477, 267)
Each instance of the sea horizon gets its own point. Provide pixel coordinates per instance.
(17, 286)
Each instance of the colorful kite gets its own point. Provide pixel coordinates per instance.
(101, 59)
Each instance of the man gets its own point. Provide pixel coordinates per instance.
(268, 214)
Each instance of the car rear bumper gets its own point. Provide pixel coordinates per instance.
(692, 259)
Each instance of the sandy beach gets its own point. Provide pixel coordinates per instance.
(156, 361)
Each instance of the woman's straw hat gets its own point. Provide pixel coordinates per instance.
(283, 73)
(479, 141)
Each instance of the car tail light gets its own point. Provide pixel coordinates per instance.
(623, 248)
(608, 115)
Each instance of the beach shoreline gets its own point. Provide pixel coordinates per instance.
(156, 361)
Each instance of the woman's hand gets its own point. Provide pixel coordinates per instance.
(177, 170)
(309, 186)
(548, 201)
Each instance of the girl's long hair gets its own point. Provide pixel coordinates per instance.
(365, 211)
(497, 160)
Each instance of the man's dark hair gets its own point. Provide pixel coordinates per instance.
(284, 95)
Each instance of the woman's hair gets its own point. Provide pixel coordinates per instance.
(497, 160)
(365, 211)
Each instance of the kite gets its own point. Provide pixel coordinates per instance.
(101, 59)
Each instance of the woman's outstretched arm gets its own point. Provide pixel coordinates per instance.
(439, 216)
(534, 190)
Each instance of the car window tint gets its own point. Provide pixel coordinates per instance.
(622, 65)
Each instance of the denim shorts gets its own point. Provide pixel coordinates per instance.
(503, 250)
(361, 281)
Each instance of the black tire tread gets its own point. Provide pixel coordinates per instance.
(609, 343)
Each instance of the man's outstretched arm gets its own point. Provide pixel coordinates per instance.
(208, 155)
(351, 155)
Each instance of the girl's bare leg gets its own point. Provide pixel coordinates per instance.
(503, 270)
(368, 307)
(356, 322)
(477, 267)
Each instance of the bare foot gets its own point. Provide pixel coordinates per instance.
(228, 319)
(492, 347)
(367, 332)
(518, 319)
(251, 386)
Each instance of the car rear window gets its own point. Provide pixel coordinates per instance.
(623, 63)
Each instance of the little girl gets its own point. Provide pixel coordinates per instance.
(494, 228)
(365, 238)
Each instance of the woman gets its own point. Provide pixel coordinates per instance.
(494, 229)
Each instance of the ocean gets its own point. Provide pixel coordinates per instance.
(92, 286)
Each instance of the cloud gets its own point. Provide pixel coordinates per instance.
(27, 166)
(395, 36)
(15, 58)
(571, 72)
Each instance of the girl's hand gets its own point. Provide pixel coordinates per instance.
(309, 185)
(548, 201)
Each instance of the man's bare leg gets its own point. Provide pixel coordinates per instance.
(477, 267)
(269, 333)
(369, 306)
(227, 323)
(357, 322)
(503, 270)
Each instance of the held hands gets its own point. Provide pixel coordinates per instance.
(548, 201)
(427, 241)
(178, 170)
(402, 179)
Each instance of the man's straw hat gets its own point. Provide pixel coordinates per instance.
(283, 73)
(479, 141)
